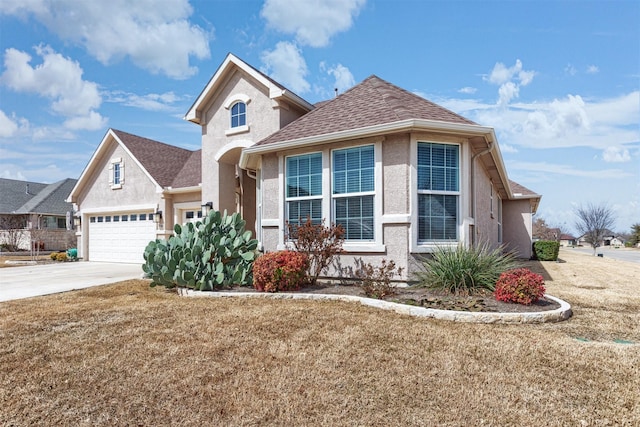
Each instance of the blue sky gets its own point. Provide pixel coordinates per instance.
(558, 80)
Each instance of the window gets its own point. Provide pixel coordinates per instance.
(438, 191)
(116, 173)
(62, 223)
(92, 219)
(304, 188)
(143, 217)
(100, 219)
(124, 218)
(238, 114)
(133, 217)
(116, 218)
(107, 218)
(354, 191)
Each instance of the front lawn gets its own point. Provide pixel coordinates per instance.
(126, 354)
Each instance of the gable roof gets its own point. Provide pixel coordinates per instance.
(370, 103)
(167, 166)
(23, 197)
(230, 64)
(162, 161)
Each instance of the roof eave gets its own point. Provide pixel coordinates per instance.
(275, 92)
(247, 157)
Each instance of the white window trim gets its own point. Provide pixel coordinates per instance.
(299, 198)
(116, 161)
(375, 246)
(463, 202)
(230, 102)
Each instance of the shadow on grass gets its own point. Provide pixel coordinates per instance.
(539, 267)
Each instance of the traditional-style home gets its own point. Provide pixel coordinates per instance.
(35, 213)
(401, 174)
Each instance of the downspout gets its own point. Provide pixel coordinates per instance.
(487, 150)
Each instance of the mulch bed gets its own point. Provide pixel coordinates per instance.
(481, 301)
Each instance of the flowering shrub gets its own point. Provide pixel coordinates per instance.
(280, 271)
(520, 286)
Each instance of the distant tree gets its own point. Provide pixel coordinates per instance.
(542, 231)
(634, 238)
(12, 228)
(593, 223)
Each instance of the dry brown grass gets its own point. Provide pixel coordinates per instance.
(126, 354)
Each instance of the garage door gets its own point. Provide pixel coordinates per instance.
(120, 237)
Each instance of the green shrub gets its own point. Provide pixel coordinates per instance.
(376, 281)
(280, 271)
(520, 286)
(53, 256)
(320, 243)
(462, 270)
(546, 250)
(207, 255)
(61, 256)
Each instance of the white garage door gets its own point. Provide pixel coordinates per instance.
(120, 237)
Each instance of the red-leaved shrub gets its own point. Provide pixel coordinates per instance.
(280, 271)
(520, 286)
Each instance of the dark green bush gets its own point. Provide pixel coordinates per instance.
(546, 250)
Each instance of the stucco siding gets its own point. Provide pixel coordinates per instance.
(518, 227)
(486, 222)
(396, 181)
(137, 188)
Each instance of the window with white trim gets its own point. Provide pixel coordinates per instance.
(438, 191)
(353, 192)
(238, 114)
(303, 193)
(116, 173)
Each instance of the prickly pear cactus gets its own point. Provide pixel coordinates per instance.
(212, 254)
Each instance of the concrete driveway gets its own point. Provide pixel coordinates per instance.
(35, 280)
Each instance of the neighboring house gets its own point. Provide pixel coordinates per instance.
(401, 174)
(609, 239)
(568, 240)
(38, 212)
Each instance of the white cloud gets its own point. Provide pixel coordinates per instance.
(156, 36)
(313, 22)
(343, 78)
(468, 90)
(570, 70)
(510, 79)
(8, 127)
(566, 122)
(149, 102)
(92, 121)
(616, 155)
(285, 64)
(593, 69)
(56, 78)
(568, 170)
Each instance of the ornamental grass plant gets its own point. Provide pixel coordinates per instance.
(461, 270)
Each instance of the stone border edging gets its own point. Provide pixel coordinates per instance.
(557, 315)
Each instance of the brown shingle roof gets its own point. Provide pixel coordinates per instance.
(521, 190)
(372, 102)
(191, 174)
(164, 162)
